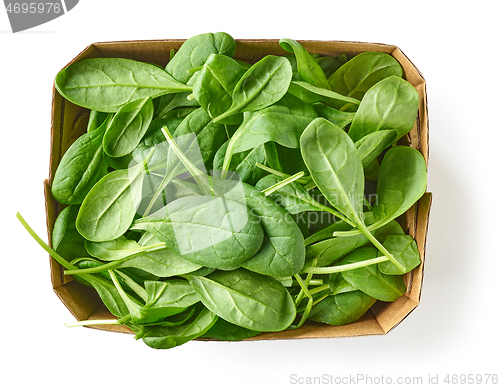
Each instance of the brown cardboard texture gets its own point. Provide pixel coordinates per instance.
(69, 121)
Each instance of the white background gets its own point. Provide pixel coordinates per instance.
(454, 330)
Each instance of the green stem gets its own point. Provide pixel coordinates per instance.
(280, 174)
(283, 183)
(194, 69)
(305, 314)
(362, 227)
(101, 268)
(310, 185)
(42, 243)
(196, 173)
(345, 267)
(319, 289)
(93, 322)
(89, 322)
(303, 290)
(114, 264)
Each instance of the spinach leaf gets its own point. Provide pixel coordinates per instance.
(331, 64)
(244, 164)
(163, 299)
(372, 145)
(335, 167)
(65, 238)
(402, 180)
(214, 232)
(195, 51)
(267, 125)
(363, 71)
(370, 280)
(169, 102)
(311, 94)
(329, 251)
(341, 309)
(167, 337)
(109, 208)
(225, 331)
(337, 117)
(265, 83)
(390, 104)
(338, 285)
(117, 249)
(307, 67)
(246, 299)
(292, 197)
(82, 165)
(107, 84)
(215, 84)
(128, 127)
(96, 118)
(282, 252)
(405, 250)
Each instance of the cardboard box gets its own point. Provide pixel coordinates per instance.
(69, 121)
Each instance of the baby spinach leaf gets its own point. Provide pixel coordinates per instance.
(117, 249)
(163, 299)
(167, 337)
(342, 309)
(331, 64)
(402, 180)
(311, 94)
(372, 145)
(195, 51)
(81, 166)
(96, 118)
(339, 118)
(243, 164)
(363, 71)
(282, 251)
(109, 208)
(225, 331)
(329, 251)
(65, 238)
(215, 84)
(169, 102)
(107, 84)
(292, 197)
(261, 85)
(267, 125)
(335, 167)
(246, 299)
(405, 250)
(307, 67)
(390, 104)
(370, 280)
(338, 285)
(214, 232)
(128, 127)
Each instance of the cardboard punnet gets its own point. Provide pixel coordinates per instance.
(69, 122)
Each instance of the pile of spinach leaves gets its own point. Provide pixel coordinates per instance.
(193, 202)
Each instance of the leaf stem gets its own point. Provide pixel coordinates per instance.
(93, 322)
(280, 174)
(283, 183)
(362, 227)
(345, 267)
(61, 260)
